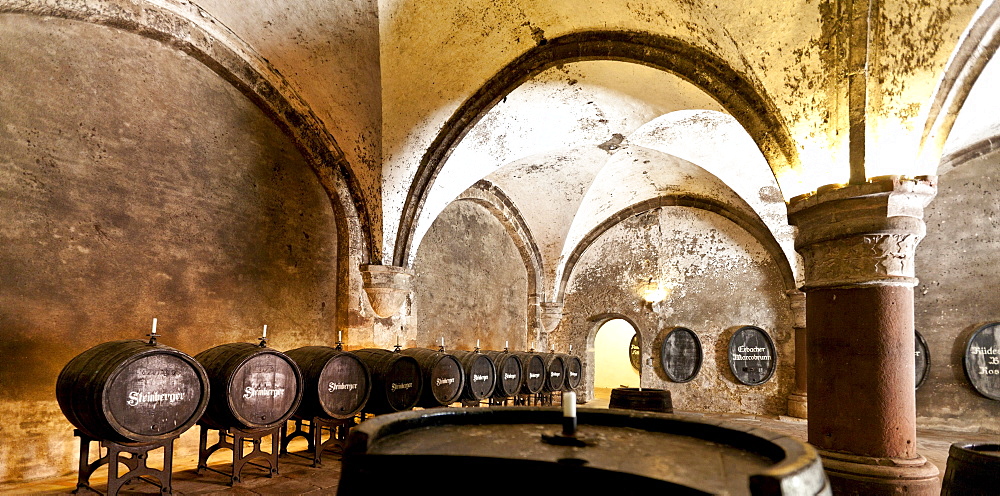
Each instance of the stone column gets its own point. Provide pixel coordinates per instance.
(858, 245)
(797, 401)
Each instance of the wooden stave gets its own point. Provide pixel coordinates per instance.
(312, 361)
(500, 359)
(378, 362)
(220, 413)
(468, 361)
(553, 385)
(80, 384)
(428, 360)
(527, 359)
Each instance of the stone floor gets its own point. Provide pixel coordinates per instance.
(298, 477)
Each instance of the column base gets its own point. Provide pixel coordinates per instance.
(863, 475)
(798, 407)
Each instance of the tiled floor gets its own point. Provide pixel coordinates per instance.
(298, 477)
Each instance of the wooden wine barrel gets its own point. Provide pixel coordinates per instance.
(253, 387)
(336, 383)
(628, 452)
(396, 380)
(443, 376)
(132, 391)
(645, 399)
(555, 372)
(573, 371)
(510, 376)
(534, 371)
(973, 470)
(480, 374)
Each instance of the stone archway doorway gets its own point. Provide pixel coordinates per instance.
(612, 364)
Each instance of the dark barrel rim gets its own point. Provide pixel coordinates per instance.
(382, 403)
(107, 373)
(698, 363)
(238, 355)
(791, 458)
(774, 352)
(328, 354)
(526, 358)
(500, 360)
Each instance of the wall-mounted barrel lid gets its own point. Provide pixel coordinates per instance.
(480, 374)
(534, 371)
(443, 376)
(397, 381)
(253, 387)
(510, 373)
(336, 383)
(555, 372)
(572, 371)
(132, 391)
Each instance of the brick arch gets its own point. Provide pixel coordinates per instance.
(734, 90)
(750, 224)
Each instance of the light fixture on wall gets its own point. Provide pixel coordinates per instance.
(654, 292)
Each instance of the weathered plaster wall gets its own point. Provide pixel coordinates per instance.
(136, 183)
(724, 280)
(329, 53)
(471, 283)
(956, 265)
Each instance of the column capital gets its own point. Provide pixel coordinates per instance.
(862, 235)
(387, 287)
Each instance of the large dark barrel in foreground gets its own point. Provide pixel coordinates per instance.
(132, 391)
(572, 371)
(253, 387)
(973, 470)
(534, 371)
(510, 376)
(645, 399)
(630, 452)
(336, 383)
(480, 374)
(396, 380)
(443, 376)
(555, 372)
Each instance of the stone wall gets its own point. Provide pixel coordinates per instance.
(724, 280)
(470, 283)
(956, 264)
(135, 183)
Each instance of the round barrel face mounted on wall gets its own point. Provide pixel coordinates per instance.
(922, 358)
(751, 355)
(681, 355)
(982, 360)
(132, 391)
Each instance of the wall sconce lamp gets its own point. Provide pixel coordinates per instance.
(652, 292)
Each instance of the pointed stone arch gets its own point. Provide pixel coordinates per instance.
(735, 91)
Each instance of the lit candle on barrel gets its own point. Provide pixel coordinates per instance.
(340, 336)
(154, 326)
(569, 413)
(265, 331)
(506, 344)
(477, 343)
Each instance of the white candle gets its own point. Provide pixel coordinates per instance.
(340, 335)
(442, 340)
(571, 348)
(569, 404)
(477, 343)
(154, 325)
(505, 344)
(265, 331)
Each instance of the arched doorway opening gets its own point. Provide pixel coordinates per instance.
(612, 364)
